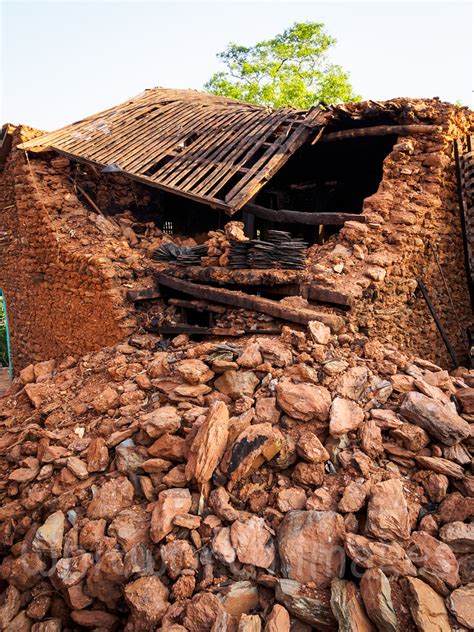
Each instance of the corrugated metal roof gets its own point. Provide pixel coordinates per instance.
(211, 149)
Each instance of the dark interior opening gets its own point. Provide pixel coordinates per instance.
(334, 176)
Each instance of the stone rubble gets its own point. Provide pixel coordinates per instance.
(268, 493)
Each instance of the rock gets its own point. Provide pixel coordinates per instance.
(160, 421)
(38, 393)
(465, 397)
(26, 571)
(254, 445)
(345, 416)
(94, 619)
(237, 384)
(387, 511)
(131, 527)
(347, 607)
(322, 533)
(377, 597)
(308, 473)
(461, 604)
(278, 620)
(427, 607)
(201, 612)
(222, 546)
(11, 601)
(71, 570)
(390, 558)
(436, 486)
(168, 446)
(107, 399)
(305, 402)
(353, 383)
(455, 507)
(311, 449)
(177, 556)
(44, 370)
(194, 371)
(97, 455)
(320, 333)
(251, 356)
(147, 598)
(49, 537)
(239, 598)
(250, 623)
(209, 444)
(434, 557)
(171, 502)
(266, 410)
(77, 467)
(354, 497)
(307, 604)
(459, 536)
(438, 420)
(442, 466)
(253, 542)
(291, 498)
(112, 497)
(27, 375)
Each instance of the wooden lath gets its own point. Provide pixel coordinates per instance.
(211, 149)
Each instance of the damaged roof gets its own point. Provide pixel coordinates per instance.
(211, 149)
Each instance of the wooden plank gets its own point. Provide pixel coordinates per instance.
(173, 330)
(255, 303)
(300, 217)
(200, 306)
(437, 320)
(380, 130)
(145, 294)
(327, 295)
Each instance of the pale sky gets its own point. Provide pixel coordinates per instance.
(62, 61)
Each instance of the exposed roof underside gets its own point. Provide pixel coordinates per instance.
(210, 149)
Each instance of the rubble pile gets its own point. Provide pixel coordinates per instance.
(309, 481)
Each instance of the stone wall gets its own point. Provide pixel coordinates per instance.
(413, 223)
(62, 297)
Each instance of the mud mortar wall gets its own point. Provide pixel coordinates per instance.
(61, 299)
(413, 219)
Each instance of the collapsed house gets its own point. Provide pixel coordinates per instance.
(368, 188)
(297, 467)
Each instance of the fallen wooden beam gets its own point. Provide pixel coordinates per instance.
(326, 295)
(143, 295)
(438, 322)
(301, 316)
(302, 217)
(200, 306)
(380, 130)
(173, 330)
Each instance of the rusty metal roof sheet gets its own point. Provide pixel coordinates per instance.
(211, 149)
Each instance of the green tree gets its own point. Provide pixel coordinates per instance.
(291, 69)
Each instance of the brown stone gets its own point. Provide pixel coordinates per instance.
(354, 497)
(427, 607)
(161, 420)
(26, 571)
(461, 604)
(376, 595)
(97, 455)
(111, 498)
(147, 598)
(201, 612)
(177, 556)
(307, 604)
(465, 397)
(130, 527)
(387, 511)
(11, 601)
(347, 607)
(253, 542)
(441, 466)
(390, 558)
(49, 537)
(278, 620)
(240, 598)
(308, 473)
(345, 416)
(438, 420)
(194, 371)
(320, 333)
(318, 532)
(436, 486)
(171, 502)
(291, 498)
(266, 410)
(434, 557)
(306, 402)
(108, 398)
(310, 448)
(71, 570)
(94, 619)
(209, 444)
(459, 536)
(237, 384)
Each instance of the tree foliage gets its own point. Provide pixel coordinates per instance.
(291, 69)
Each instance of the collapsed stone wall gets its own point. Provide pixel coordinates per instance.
(63, 295)
(413, 223)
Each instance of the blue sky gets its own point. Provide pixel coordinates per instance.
(62, 61)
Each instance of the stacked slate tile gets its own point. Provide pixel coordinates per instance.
(288, 253)
(279, 251)
(182, 255)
